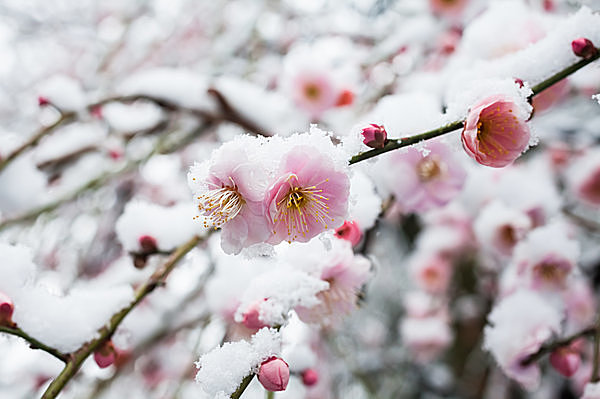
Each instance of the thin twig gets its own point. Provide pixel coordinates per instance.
(549, 348)
(450, 127)
(65, 117)
(596, 359)
(105, 333)
(34, 343)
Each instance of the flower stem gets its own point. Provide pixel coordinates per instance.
(105, 333)
(450, 127)
(34, 343)
(270, 395)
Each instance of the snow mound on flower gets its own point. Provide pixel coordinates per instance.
(279, 291)
(221, 370)
(63, 92)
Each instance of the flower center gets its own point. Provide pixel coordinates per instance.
(300, 206)
(551, 273)
(428, 169)
(220, 205)
(312, 91)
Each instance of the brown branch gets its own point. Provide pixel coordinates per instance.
(34, 343)
(105, 333)
(551, 347)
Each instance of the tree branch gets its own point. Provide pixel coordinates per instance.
(549, 348)
(450, 127)
(34, 343)
(105, 333)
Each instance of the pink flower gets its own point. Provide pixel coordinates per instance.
(374, 136)
(349, 231)
(309, 196)
(6, 309)
(251, 318)
(423, 182)
(314, 91)
(229, 192)
(495, 133)
(345, 273)
(431, 272)
(274, 374)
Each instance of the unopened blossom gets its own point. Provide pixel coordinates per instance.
(6, 309)
(346, 97)
(519, 326)
(148, 244)
(309, 196)
(425, 178)
(274, 374)
(346, 273)
(229, 190)
(349, 231)
(565, 360)
(495, 132)
(105, 355)
(374, 136)
(584, 48)
(310, 377)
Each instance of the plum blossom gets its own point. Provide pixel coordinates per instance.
(546, 258)
(495, 132)
(583, 178)
(431, 272)
(310, 193)
(228, 191)
(345, 273)
(274, 374)
(425, 179)
(518, 326)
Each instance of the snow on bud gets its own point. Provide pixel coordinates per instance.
(6, 309)
(584, 48)
(349, 231)
(374, 136)
(105, 355)
(310, 377)
(251, 317)
(274, 374)
(565, 360)
(495, 132)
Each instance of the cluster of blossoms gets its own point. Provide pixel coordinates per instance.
(272, 190)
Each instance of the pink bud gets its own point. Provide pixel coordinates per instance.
(346, 97)
(105, 355)
(584, 48)
(519, 82)
(252, 317)
(6, 309)
(148, 244)
(274, 374)
(374, 135)
(96, 112)
(349, 231)
(310, 377)
(43, 101)
(565, 360)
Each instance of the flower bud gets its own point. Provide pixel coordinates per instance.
(148, 244)
(374, 136)
(6, 309)
(565, 360)
(584, 48)
(310, 377)
(349, 231)
(274, 374)
(346, 97)
(105, 355)
(252, 317)
(43, 101)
